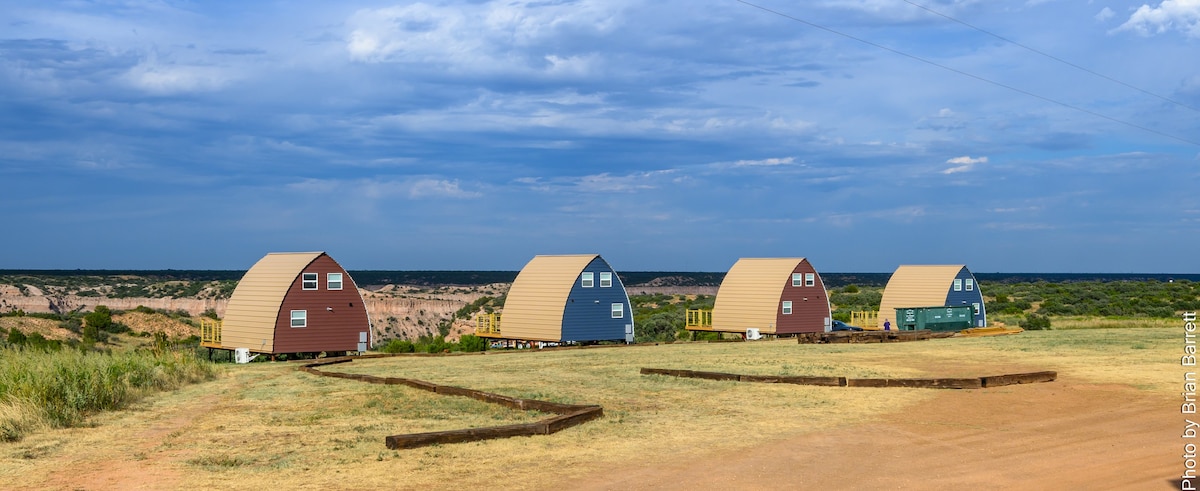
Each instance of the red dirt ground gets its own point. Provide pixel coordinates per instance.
(1060, 435)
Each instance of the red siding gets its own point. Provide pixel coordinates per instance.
(809, 305)
(328, 330)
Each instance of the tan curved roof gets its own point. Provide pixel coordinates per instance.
(916, 286)
(749, 294)
(254, 306)
(534, 307)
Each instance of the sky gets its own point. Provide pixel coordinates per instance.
(666, 135)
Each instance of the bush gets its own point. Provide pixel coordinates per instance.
(850, 289)
(1035, 322)
(398, 346)
(100, 318)
(472, 343)
(16, 337)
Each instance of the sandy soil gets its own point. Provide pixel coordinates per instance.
(1062, 435)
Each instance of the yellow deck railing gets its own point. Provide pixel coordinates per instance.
(868, 320)
(699, 320)
(210, 333)
(487, 325)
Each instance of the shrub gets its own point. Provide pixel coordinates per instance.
(472, 343)
(16, 337)
(398, 346)
(850, 289)
(100, 318)
(1035, 322)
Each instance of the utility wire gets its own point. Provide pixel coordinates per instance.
(976, 77)
(1050, 56)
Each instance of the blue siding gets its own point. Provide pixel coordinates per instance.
(588, 313)
(965, 297)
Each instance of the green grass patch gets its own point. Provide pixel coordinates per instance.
(60, 389)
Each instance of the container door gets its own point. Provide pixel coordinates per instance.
(362, 342)
(628, 333)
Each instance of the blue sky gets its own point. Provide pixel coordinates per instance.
(664, 135)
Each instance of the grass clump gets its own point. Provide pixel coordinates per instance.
(60, 389)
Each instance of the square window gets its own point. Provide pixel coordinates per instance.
(605, 280)
(299, 318)
(618, 310)
(333, 281)
(587, 280)
(310, 281)
(797, 279)
(958, 284)
(970, 284)
(810, 279)
(787, 307)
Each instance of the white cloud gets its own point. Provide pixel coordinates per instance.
(496, 36)
(764, 162)
(165, 79)
(423, 188)
(373, 189)
(963, 164)
(1181, 15)
(1105, 14)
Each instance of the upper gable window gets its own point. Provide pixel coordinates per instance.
(970, 284)
(797, 279)
(310, 281)
(958, 284)
(333, 281)
(605, 280)
(587, 280)
(810, 279)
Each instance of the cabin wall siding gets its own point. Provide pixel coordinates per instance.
(587, 314)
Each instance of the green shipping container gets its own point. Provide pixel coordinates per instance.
(935, 318)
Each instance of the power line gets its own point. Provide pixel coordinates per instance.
(976, 77)
(1052, 57)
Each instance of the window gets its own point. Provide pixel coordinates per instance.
(605, 280)
(970, 284)
(787, 307)
(333, 281)
(586, 279)
(810, 279)
(976, 308)
(797, 279)
(310, 281)
(958, 284)
(299, 318)
(618, 310)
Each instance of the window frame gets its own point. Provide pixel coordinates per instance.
(797, 279)
(605, 279)
(970, 285)
(305, 281)
(303, 319)
(617, 310)
(977, 307)
(587, 279)
(958, 284)
(329, 281)
(787, 307)
(810, 279)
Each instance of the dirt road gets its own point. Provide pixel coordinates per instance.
(1062, 435)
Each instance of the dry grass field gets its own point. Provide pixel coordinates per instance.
(1110, 418)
